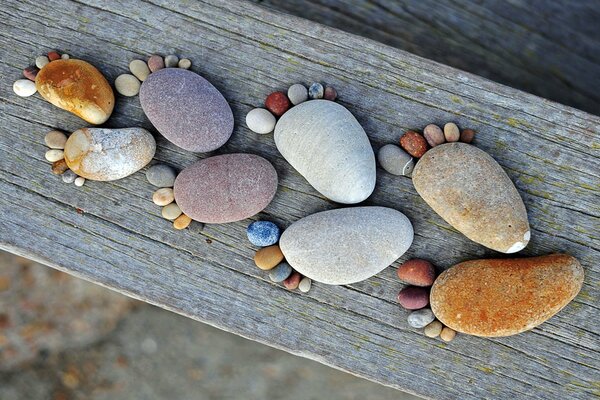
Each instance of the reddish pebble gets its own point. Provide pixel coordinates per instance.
(278, 103)
(293, 281)
(59, 167)
(414, 144)
(417, 272)
(53, 55)
(413, 297)
(156, 62)
(467, 135)
(330, 94)
(31, 72)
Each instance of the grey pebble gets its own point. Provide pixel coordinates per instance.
(69, 176)
(421, 318)
(171, 61)
(315, 91)
(161, 175)
(395, 160)
(297, 93)
(280, 273)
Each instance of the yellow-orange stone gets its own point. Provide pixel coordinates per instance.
(503, 297)
(77, 86)
(268, 257)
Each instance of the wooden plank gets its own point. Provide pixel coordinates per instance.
(112, 234)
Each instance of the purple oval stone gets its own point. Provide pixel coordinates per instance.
(186, 109)
(225, 188)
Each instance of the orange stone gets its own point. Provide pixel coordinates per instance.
(268, 257)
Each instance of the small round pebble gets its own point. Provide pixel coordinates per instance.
(433, 329)
(127, 85)
(305, 284)
(41, 61)
(163, 196)
(467, 135)
(171, 211)
(278, 103)
(447, 334)
(417, 272)
(414, 144)
(413, 297)
(53, 55)
(268, 257)
(65, 56)
(297, 93)
(54, 155)
(55, 140)
(292, 282)
(80, 180)
(31, 72)
(420, 318)
(395, 160)
(161, 175)
(184, 63)
(451, 132)
(59, 167)
(24, 88)
(316, 91)
(69, 176)
(330, 93)
(140, 69)
(280, 272)
(434, 135)
(263, 233)
(155, 62)
(171, 61)
(182, 222)
(261, 121)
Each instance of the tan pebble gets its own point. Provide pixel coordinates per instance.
(140, 69)
(79, 181)
(433, 329)
(54, 155)
(59, 167)
(268, 257)
(65, 56)
(41, 61)
(447, 334)
(171, 211)
(451, 132)
(182, 222)
(184, 63)
(55, 140)
(127, 85)
(163, 197)
(305, 284)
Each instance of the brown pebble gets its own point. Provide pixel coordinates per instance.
(417, 272)
(413, 297)
(414, 144)
(268, 257)
(330, 93)
(278, 103)
(447, 334)
(53, 55)
(31, 72)
(451, 132)
(433, 329)
(292, 281)
(182, 222)
(467, 135)
(156, 62)
(434, 135)
(59, 167)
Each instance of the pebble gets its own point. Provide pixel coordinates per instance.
(277, 103)
(140, 69)
(80, 180)
(433, 329)
(268, 257)
(305, 284)
(417, 272)
(292, 282)
(55, 140)
(297, 93)
(413, 297)
(30, 73)
(330, 93)
(65, 56)
(434, 135)
(161, 175)
(155, 62)
(447, 334)
(395, 160)
(24, 87)
(69, 176)
(420, 318)
(59, 167)
(171, 61)
(263, 233)
(53, 55)
(467, 135)
(41, 61)
(184, 63)
(182, 222)
(316, 91)
(414, 144)
(127, 85)
(163, 196)
(171, 211)
(54, 155)
(280, 272)
(260, 121)
(451, 132)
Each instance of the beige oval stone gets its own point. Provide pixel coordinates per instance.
(163, 196)
(182, 222)
(503, 297)
(471, 192)
(171, 211)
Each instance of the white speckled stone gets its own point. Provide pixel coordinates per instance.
(325, 143)
(80, 180)
(261, 121)
(346, 245)
(395, 160)
(41, 61)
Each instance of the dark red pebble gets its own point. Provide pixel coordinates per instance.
(413, 297)
(467, 135)
(278, 103)
(53, 55)
(31, 72)
(330, 93)
(414, 144)
(417, 272)
(292, 281)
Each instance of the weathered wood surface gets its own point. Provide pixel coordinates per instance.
(550, 48)
(112, 234)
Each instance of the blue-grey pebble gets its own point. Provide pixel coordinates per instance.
(315, 91)
(161, 175)
(69, 176)
(281, 272)
(263, 233)
(395, 160)
(421, 318)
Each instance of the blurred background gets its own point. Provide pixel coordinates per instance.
(62, 338)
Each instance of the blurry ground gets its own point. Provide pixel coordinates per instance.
(63, 339)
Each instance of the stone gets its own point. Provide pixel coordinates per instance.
(41, 61)
(186, 109)
(171, 211)
(447, 334)
(55, 140)
(59, 167)
(395, 160)
(64, 56)
(330, 93)
(184, 63)
(69, 176)
(413, 297)
(467, 135)
(280, 273)
(78, 87)
(53, 55)
(171, 61)
(182, 222)
(24, 88)
(140, 69)
(277, 103)
(417, 272)
(420, 318)
(292, 282)
(127, 85)
(163, 196)
(260, 121)
(346, 245)
(297, 93)
(502, 297)
(414, 144)
(226, 188)
(54, 155)
(161, 175)
(80, 180)
(102, 154)
(268, 257)
(155, 62)
(30, 73)
(325, 143)
(305, 284)
(316, 91)
(434, 135)
(471, 192)
(263, 233)
(451, 132)
(434, 329)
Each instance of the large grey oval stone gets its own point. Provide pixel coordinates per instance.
(225, 188)
(346, 245)
(325, 143)
(102, 154)
(471, 192)
(186, 109)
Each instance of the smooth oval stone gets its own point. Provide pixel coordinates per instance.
(225, 188)
(471, 192)
(263, 233)
(420, 318)
(325, 143)
(102, 154)
(502, 297)
(395, 160)
(186, 109)
(280, 273)
(346, 245)
(77, 86)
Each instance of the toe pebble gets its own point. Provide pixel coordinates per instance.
(171, 61)
(69, 176)
(260, 121)
(155, 62)
(54, 155)
(171, 211)
(24, 88)
(316, 91)
(182, 222)
(297, 93)
(184, 63)
(80, 180)
(139, 69)
(163, 196)
(41, 61)
(127, 85)
(55, 140)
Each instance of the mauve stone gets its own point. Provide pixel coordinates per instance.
(186, 109)
(434, 135)
(31, 72)
(155, 62)
(413, 297)
(330, 93)
(226, 188)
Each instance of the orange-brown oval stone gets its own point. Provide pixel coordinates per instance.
(503, 297)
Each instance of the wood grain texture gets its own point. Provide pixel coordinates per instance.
(548, 48)
(112, 233)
